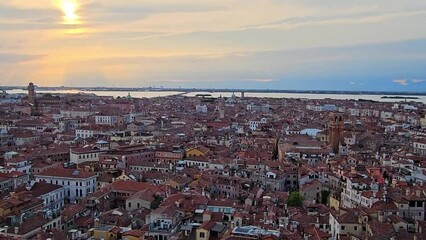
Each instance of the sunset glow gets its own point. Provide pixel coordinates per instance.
(270, 44)
(69, 8)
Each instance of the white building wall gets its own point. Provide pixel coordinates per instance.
(78, 158)
(75, 188)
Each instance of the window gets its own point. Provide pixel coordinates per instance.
(130, 204)
(202, 235)
(355, 228)
(342, 227)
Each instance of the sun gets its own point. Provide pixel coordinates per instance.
(69, 8)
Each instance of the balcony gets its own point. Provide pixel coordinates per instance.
(161, 227)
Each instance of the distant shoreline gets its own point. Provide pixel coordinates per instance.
(399, 97)
(388, 94)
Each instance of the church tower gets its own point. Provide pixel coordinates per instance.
(31, 94)
(335, 130)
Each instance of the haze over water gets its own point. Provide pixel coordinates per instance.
(151, 94)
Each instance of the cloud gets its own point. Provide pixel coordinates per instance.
(418, 80)
(179, 80)
(402, 82)
(275, 44)
(406, 82)
(338, 19)
(261, 80)
(18, 58)
(353, 83)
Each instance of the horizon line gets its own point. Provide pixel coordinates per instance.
(196, 89)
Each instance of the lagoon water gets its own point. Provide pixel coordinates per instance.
(151, 94)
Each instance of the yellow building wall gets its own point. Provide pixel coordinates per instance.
(334, 203)
(97, 234)
(5, 212)
(423, 122)
(206, 234)
(194, 152)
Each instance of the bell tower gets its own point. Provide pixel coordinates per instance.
(31, 94)
(335, 130)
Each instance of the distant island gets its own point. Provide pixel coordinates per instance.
(389, 94)
(399, 97)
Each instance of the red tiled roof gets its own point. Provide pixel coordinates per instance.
(134, 233)
(131, 186)
(66, 173)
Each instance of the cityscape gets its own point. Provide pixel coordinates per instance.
(212, 120)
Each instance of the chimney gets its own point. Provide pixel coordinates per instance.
(407, 191)
(96, 222)
(381, 217)
(418, 193)
(28, 186)
(6, 228)
(16, 230)
(286, 223)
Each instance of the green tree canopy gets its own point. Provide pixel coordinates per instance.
(156, 202)
(295, 199)
(324, 196)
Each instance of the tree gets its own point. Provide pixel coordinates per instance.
(385, 175)
(156, 202)
(295, 199)
(324, 196)
(275, 149)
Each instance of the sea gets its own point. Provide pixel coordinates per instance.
(153, 94)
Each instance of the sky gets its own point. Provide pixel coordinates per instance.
(264, 44)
